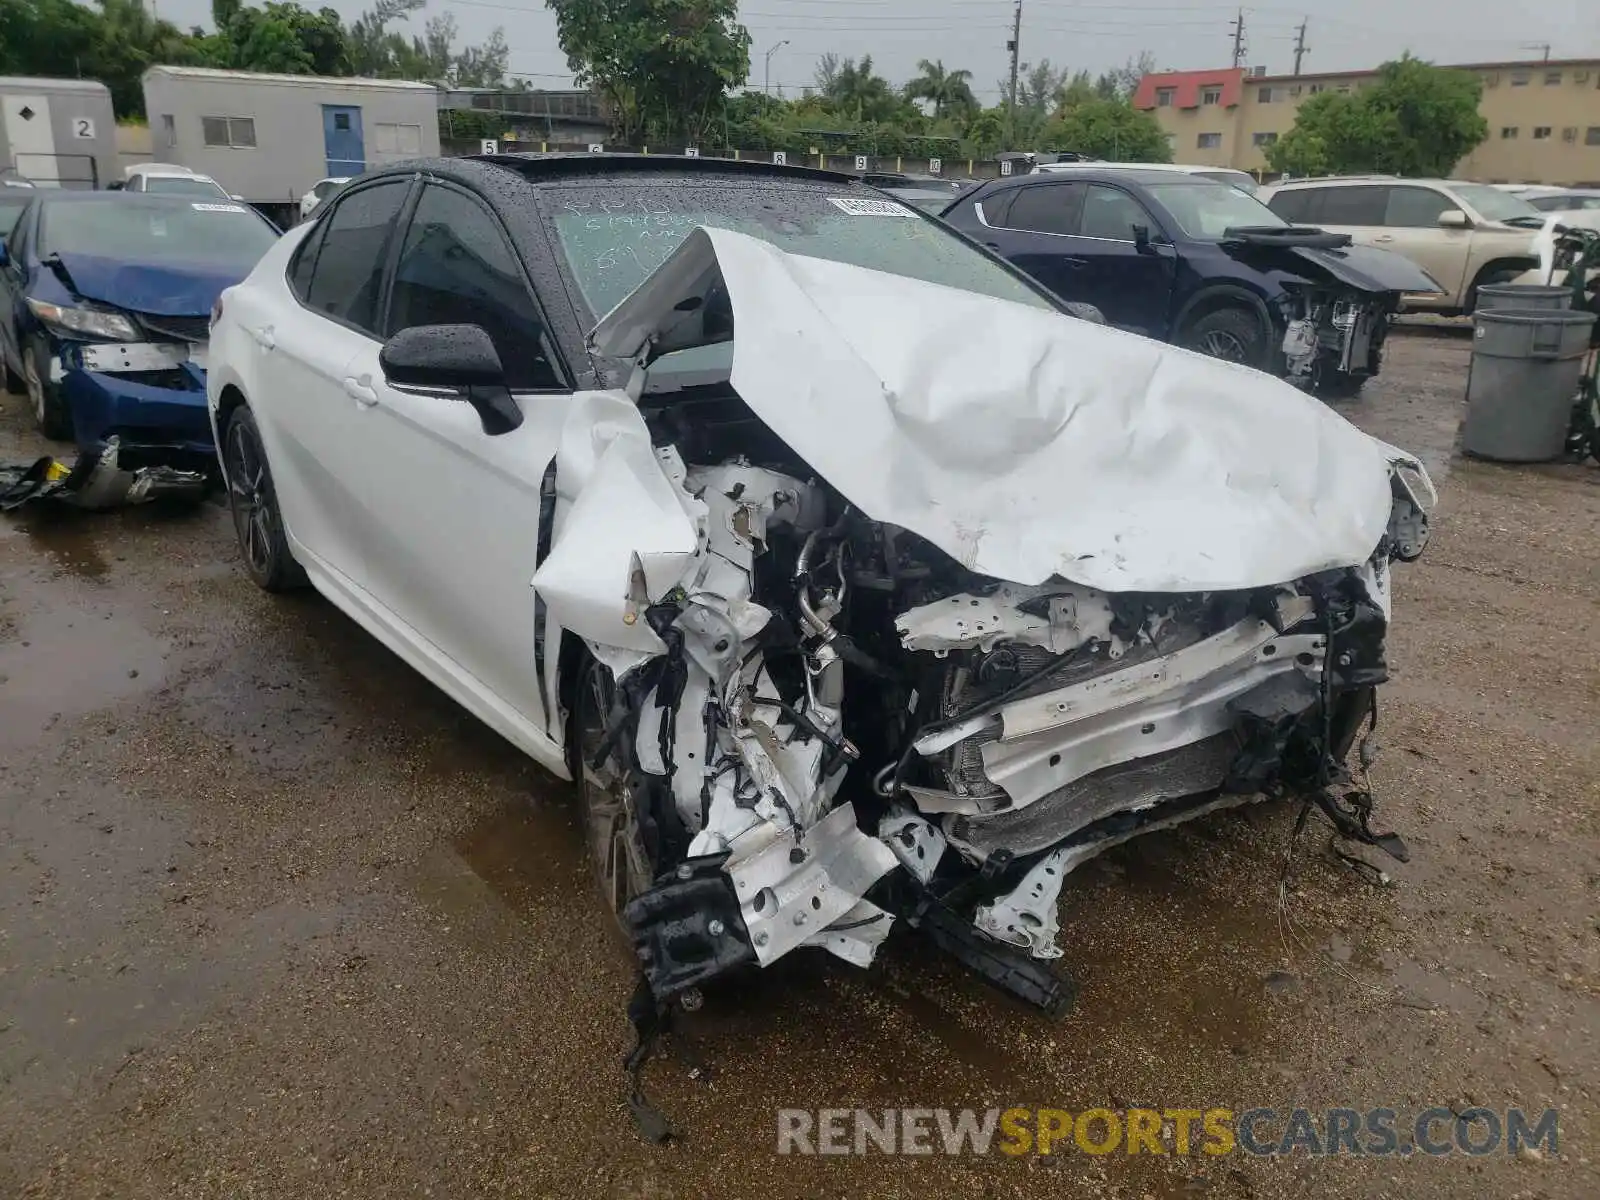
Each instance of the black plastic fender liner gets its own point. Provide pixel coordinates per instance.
(688, 929)
(1005, 968)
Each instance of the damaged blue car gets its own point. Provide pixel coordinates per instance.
(105, 303)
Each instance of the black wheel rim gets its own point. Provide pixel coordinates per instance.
(1219, 343)
(613, 837)
(255, 517)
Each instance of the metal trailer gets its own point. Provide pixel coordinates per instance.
(58, 132)
(269, 138)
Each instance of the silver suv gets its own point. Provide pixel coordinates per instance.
(1463, 234)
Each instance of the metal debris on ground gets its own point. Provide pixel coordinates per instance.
(94, 481)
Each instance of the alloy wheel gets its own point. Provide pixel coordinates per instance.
(255, 516)
(1219, 343)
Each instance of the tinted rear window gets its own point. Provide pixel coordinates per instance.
(614, 234)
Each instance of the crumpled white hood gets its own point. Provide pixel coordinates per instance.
(1023, 443)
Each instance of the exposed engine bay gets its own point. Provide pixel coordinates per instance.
(835, 698)
(1334, 340)
(828, 720)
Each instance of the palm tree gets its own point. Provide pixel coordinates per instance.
(859, 92)
(950, 91)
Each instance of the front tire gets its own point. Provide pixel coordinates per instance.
(1231, 334)
(257, 520)
(44, 397)
(616, 850)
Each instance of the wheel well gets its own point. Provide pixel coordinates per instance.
(232, 398)
(1515, 263)
(1213, 302)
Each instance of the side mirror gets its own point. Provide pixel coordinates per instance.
(1141, 239)
(116, 185)
(1454, 218)
(452, 360)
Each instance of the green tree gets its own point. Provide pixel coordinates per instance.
(1417, 120)
(860, 93)
(278, 37)
(664, 65)
(1120, 83)
(1110, 129)
(950, 92)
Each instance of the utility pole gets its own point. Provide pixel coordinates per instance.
(1300, 47)
(1239, 48)
(766, 86)
(1015, 46)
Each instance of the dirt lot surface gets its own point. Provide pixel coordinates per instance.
(276, 919)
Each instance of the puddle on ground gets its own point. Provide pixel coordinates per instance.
(61, 661)
(529, 854)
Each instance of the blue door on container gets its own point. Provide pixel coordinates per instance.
(341, 135)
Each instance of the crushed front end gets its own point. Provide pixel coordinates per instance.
(834, 720)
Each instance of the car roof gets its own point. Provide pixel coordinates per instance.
(1127, 173)
(535, 167)
(1357, 180)
(149, 199)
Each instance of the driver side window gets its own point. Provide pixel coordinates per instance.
(457, 268)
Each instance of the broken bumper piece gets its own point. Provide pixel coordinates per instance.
(96, 481)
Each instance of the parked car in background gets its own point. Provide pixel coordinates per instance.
(1239, 179)
(1465, 235)
(169, 180)
(767, 504)
(319, 192)
(105, 302)
(1566, 200)
(1201, 264)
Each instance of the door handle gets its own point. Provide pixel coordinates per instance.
(360, 390)
(993, 245)
(1077, 264)
(263, 338)
(1384, 237)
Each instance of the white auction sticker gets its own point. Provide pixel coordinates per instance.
(198, 207)
(870, 208)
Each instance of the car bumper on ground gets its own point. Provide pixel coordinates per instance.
(151, 396)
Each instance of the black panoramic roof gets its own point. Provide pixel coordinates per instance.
(536, 167)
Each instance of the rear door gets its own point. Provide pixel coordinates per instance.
(309, 417)
(1034, 227)
(451, 520)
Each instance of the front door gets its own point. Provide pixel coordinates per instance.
(341, 137)
(454, 511)
(1131, 284)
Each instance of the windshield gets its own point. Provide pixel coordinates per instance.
(217, 234)
(1493, 204)
(614, 234)
(1208, 210)
(180, 186)
(1239, 179)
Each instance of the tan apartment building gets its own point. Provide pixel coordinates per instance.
(1544, 117)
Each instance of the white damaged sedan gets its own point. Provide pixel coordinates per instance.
(860, 587)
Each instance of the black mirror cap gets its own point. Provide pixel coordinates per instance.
(441, 356)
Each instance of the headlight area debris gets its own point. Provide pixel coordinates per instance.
(95, 481)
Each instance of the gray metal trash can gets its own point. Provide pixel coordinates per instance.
(1523, 295)
(1523, 382)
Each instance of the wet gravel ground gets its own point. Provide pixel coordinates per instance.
(276, 919)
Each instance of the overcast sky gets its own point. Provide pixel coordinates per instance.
(1182, 34)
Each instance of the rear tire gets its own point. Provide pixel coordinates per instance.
(1231, 334)
(257, 520)
(44, 397)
